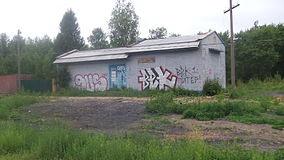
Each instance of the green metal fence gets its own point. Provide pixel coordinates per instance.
(41, 85)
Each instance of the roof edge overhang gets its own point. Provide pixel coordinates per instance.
(90, 58)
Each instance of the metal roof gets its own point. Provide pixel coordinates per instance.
(171, 40)
(122, 52)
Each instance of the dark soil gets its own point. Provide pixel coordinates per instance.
(107, 115)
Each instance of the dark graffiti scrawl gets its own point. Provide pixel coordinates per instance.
(187, 74)
(157, 78)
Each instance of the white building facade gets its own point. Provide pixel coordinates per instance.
(184, 62)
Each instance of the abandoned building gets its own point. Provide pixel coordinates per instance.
(185, 62)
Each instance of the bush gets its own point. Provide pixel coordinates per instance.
(211, 87)
(235, 93)
(63, 77)
(279, 110)
(162, 103)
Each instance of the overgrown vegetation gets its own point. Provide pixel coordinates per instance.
(211, 87)
(260, 52)
(18, 141)
(10, 106)
(260, 112)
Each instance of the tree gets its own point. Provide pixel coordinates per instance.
(174, 35)
(279, 47)
(69, 37)
(226, 39)
(98, 39)
(123, 24)
(4, 40)
(37, 56)
(159, 32)
(258, 51)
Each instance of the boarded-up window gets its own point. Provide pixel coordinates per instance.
(147, 60)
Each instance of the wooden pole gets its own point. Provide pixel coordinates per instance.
(19, 61)
(233, 64)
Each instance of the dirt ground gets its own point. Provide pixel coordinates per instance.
(119, 115)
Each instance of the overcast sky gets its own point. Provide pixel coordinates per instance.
(186, 17)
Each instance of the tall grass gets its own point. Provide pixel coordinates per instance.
(10, 105)
(267, 85)
(21, 142)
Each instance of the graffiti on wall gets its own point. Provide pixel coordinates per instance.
(188, 75)
(91, 81)
(156, 78)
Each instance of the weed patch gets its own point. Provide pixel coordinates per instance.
(21, 142)
(10, 105)
(162, 103)
(217, 110)
(263, 112)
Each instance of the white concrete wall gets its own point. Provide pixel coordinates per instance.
(91, 75)
(176, 69)
(214, 62)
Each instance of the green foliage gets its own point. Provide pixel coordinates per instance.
(69, 37)
(174, 35)
(263, 112)
(211, 87)
(125, 92)
(18, 141)
(123, 24)
(184, 92)
(225, 37)
(269, 84)
(236, 94)
(36, 57)
(260, 52)
(15, 138)
(279, 110)
(11, 104)
(98, 39)
(276, 122)
(63, 77)
(162, 103)
(217, 110)
(159, 32)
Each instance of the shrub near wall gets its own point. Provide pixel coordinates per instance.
(211, 87)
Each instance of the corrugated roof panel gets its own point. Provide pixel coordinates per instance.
(164, 47)
(171, 40)
(90, 58)
(99, 52)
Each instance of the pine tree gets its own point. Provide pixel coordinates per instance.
(69, 37)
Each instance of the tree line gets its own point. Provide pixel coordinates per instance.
(259, 50)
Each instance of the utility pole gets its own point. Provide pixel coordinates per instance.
(19, 61)
(233, 66)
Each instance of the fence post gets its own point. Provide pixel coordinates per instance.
(54, 86)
